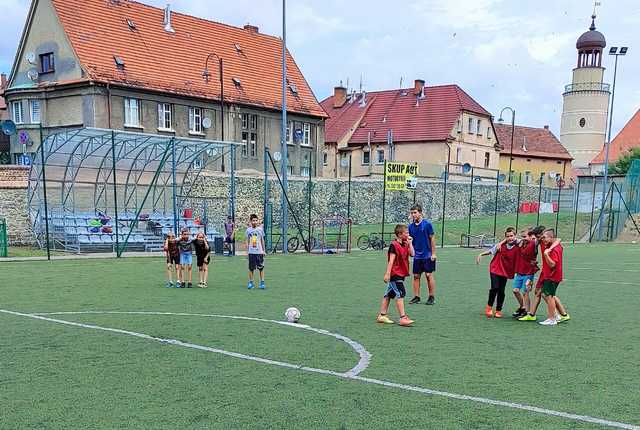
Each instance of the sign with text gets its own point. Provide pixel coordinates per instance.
(401, 176)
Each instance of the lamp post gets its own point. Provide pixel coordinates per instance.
(513, 126)
(283, 131)
(205, 75)
(612, 51)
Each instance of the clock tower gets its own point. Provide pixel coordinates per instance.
(586, 101)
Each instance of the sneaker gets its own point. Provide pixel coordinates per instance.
(564, 318)
(498, 314)
(528, 317)
(488, 311)
(549, 321)
(415, 300)
(262, 286)
(178, 284)
(431, 300)
(189, 285)
(204, 285)
(384, 319)
(519, 313)
(168, 285)
(250, 285)
(405, 321)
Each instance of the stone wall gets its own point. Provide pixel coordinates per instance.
(329, 196)
(13, 204)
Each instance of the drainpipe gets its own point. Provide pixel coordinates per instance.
(108, 105)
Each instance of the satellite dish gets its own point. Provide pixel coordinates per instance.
(477, 179)
(502, 177)
(277, 156)
(32, 74)
(466, 168)
(8, 127)
(206, 123)
(344, 162)
(30, 57)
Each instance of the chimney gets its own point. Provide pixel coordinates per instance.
(3, 81)
(339, 96)
(546, 127)
(252, 28)
(167, 19)
(418, 87)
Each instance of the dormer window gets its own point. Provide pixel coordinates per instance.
(46, 63)
(119, 62)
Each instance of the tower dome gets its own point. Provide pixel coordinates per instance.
(592, 38)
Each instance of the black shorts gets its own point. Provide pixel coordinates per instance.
(498, 282)
(395, 288)
(173, 259)
(256, 261)
(202, 261)
(423, 266)
(229, 240)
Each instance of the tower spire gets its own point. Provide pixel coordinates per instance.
(593, 15)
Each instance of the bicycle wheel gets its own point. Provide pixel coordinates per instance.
(292, 244)
(377, 243)
(312, 243)
(363, 242)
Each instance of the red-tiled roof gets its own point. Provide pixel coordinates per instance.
(430, 119)
(628, 138)
(173, 62)
(530, 142)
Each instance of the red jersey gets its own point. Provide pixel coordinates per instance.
(400, 267)
(503, 262)
(554, 274)
(526, 263)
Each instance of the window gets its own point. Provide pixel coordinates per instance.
(245, 139)
(470, 125)
(17, 112)
(487, 160)
(527, 177)
(304, 171)
(459, 126)
(306, 136)
(245, 121)
(46, 63)
(253, 145)
(325, 159)
(478, 127)
(131, 113)
(290, 170)
(289, 126)
(380, 156)
(195, 120)
(35, 111)
(164, 116)
(489, 133)
(458, 154)
(253, 122)
(366, 157)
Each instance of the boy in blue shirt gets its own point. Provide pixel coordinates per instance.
(424, 261)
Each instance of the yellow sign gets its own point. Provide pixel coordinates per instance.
(401, 176)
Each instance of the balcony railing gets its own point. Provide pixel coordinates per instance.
(587, 86)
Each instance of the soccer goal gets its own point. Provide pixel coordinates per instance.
(476, 241)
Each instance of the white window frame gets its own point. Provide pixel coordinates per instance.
(132, 106)
(487, 160)
(165, 117)
(478, 127)
(306, 134)
(366, 153)
(459, 126)
(470, 131)
(195, 120)
(325, 159)
(245, 121)
(527, 177)
(34, 119)
(290, 170)
(253, 144)
(458, 154)
(489, 133)
(245, 142)
(378, 152)
(253, 122)
(289, 132)
(305, 171)
(17, 112)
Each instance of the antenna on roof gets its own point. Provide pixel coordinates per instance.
(361, 82)
(347, 86)
(401, 79)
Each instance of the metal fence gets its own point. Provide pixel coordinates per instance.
(4, 240)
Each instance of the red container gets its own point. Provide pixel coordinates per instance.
(525, 207)
(555, 206)
(535, 207)
(188, 213)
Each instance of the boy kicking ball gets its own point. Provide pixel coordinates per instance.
(397, 269)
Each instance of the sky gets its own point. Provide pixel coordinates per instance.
(513, 53)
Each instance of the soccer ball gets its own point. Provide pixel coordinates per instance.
(292, 314)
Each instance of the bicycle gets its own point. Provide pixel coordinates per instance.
(365, 242)
(293, 243)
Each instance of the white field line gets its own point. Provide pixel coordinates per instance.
(350, 375)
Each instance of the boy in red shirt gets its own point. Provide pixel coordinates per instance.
(526, 268)
(501, 268)
(400, 249)
(551, 277)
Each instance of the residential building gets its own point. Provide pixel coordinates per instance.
(586, 101)
(428, 125)
(537, 154)
(120, 64)
(4, 115)
(627, 139)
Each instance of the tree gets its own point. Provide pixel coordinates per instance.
(622, 165)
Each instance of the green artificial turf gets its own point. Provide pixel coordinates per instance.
(55, 376)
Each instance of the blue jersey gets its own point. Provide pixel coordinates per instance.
(421, 234)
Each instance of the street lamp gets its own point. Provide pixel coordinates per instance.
(612, 51)
(283, 133)
(205, 75)
(513, 126)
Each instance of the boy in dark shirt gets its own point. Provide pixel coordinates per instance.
(185, 245)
